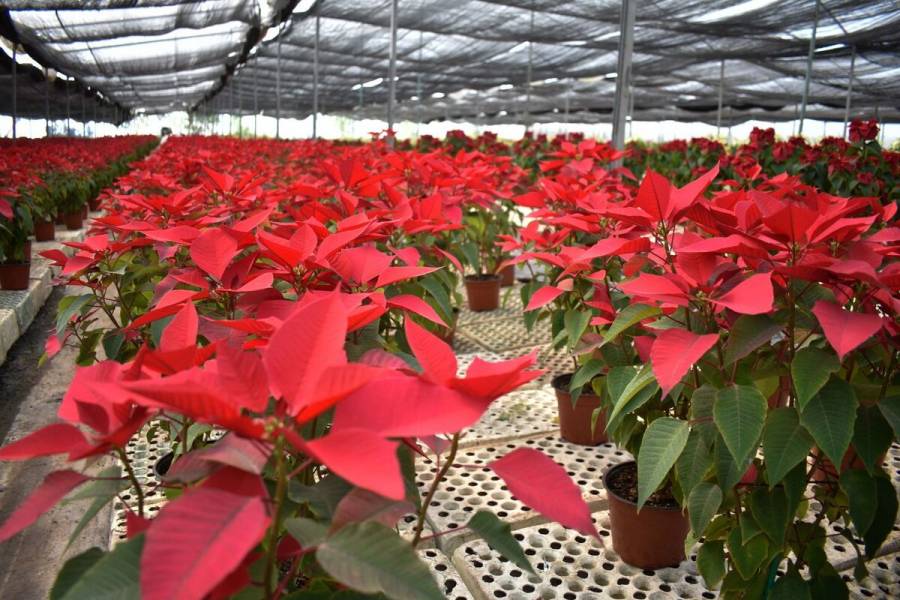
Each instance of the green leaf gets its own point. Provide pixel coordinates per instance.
(885, 516)
(785, 443)
(470, 253)
(810, 369)
(67, 308)
(711, 562)
(890, 409)
(371, 558)
(576, 322)
(704, 501)
(585, 373)
(112, 342)
(862, 492)
(872, 436)
(499, 535)
(629, 316)
(727, 471)
(633, 390)
(663, 442)
(323, 497)
(771, 511)
(694, 462)
(747, 334)
(102, 491)
(829, 416)
(308, 532)
(702, 402)
(747, 557)
(109, 576)
(828, 584)
(740, 413)
(790, 587)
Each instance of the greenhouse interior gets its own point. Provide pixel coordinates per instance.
(473, 300)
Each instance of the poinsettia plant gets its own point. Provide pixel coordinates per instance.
(769, 395)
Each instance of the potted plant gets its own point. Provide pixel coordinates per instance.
(43, 212)
(773, 351)
(15, 247)
(482, 255)
(72, 200)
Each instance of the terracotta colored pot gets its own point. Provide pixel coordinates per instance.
(74, 221)
(507, 276)
(483, 292)
(84, 211)
(15, 276)
(94, 204)
(650, 539)
(60, 219)
(44, 231)
(575, 422)
(825, 470)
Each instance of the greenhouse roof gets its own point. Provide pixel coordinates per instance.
(473, 59)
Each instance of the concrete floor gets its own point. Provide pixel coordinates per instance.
(29, 398)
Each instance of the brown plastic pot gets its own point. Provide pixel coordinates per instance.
(44, 231)
(507, 276)
(60, 219)
(94, 204)
(16, 275)
(74, 220)
(84, 211)
(483, 292)
(575, 422)
(650, 539)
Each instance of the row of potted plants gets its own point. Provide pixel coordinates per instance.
(743, 347)
(52, 181)
(282, 293)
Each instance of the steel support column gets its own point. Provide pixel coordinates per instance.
(809, 61)
(46, 102)
(849, 89)
(68, 111)
(83, 115)
(623, 72)
(392, 73)
(255, 102)
(278, 92)
(15, 93)
(315, 106)
(721, 97)
(530, 71)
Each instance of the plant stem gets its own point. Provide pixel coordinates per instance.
(280, 489)
(442, 472)
(139, 492)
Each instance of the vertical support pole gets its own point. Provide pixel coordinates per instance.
(721, 97)
(315, 106)
(46, 102)
(255, 101)
(240, 110)
(809, 61)
(278, 91)
(94, 119)
(68, 112)
(419, 84)
(849, 89)
(566, 106)
(231, 107)
(623, 72)
(530, 70)
(83, 115)
(15, 92)
(392, 74)
(630, 116)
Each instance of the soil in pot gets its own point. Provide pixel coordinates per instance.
(74, 220)
(575, 422)
(44, 231)
(507, 276)
(483, 292)
(652, 538)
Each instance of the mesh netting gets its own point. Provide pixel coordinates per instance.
(474, 59)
